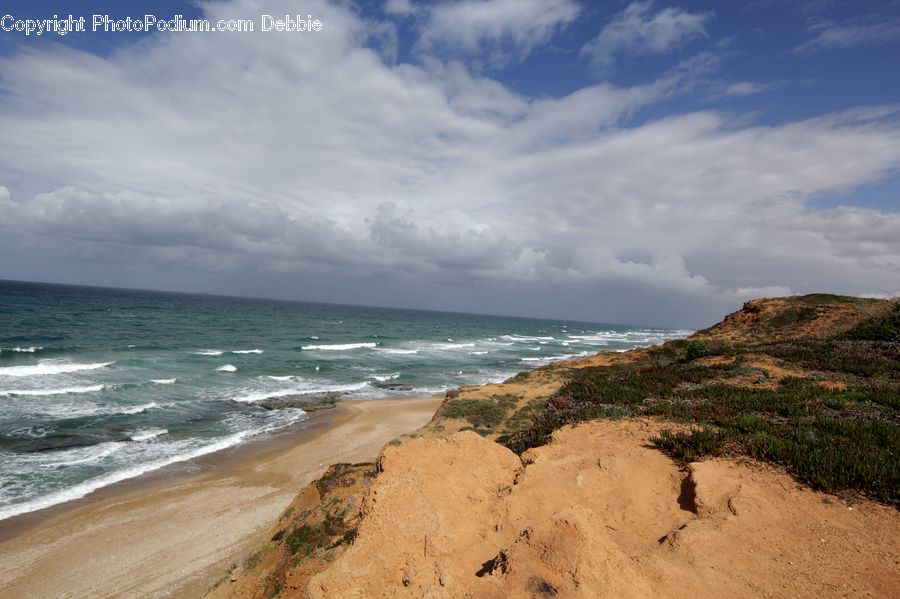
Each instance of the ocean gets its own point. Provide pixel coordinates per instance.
(101, 385)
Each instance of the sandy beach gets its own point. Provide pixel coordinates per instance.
(173, 536)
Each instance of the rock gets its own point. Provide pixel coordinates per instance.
(393, 386)
(307, 403)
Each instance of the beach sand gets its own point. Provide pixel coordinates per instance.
(174, 533)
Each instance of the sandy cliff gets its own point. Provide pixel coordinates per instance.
(598, 513)
(593, 508)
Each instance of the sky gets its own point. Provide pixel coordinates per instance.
(642, 162)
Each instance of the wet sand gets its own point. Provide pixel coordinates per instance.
(172, 533)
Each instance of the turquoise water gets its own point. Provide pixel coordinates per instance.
(100, 385)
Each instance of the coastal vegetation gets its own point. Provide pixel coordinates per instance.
(482, 414)
(826, 408)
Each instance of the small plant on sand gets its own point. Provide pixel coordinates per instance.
(689, 446)
(695, 350)
(252, 560)
(481, 413)
(306, 539)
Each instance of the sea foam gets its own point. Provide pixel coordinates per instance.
(52, 391)
(50, 368)
(340, 346)
(89, 486)
(146, 434)
(256, 396)
(137, 409)
(387, 377)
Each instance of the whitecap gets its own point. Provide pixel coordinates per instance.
(146, 434)
(86, 455)
(52, 391)
(89, 486)
(387, 377)
(400, 352)
(453, 345)
(263, 395)
(138, 409)
(549, 359)
(227, 368)
(162, 381)
(50, 368)
(208, 352)
(340, 347)
(246, 351)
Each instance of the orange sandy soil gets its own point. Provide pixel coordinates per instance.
(598, 513)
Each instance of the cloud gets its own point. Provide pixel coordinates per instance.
(745, 88)
(640, 29)
(399, 7)
(870, 30)
(311, 158)
(504, 30)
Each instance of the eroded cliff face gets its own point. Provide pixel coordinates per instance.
(599, 513)
(783, 318)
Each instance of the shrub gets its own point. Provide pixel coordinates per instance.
(689, 446)
(886, 328)
(306, 539)
(483, 414)
(694, 350)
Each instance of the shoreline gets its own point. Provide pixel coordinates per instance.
(177, 528)
(173, 474)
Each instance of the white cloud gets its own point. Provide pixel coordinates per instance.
(744, 88)
(871, 30)
(399, 7)
(640, 29)
(269, 153)
(504, 30)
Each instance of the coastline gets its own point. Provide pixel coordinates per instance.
(172, 532)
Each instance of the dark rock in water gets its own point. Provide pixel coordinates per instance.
(307, 403)
(393, 386)
(56, 443)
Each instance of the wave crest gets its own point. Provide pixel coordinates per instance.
(340, 346)
(50, 368)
